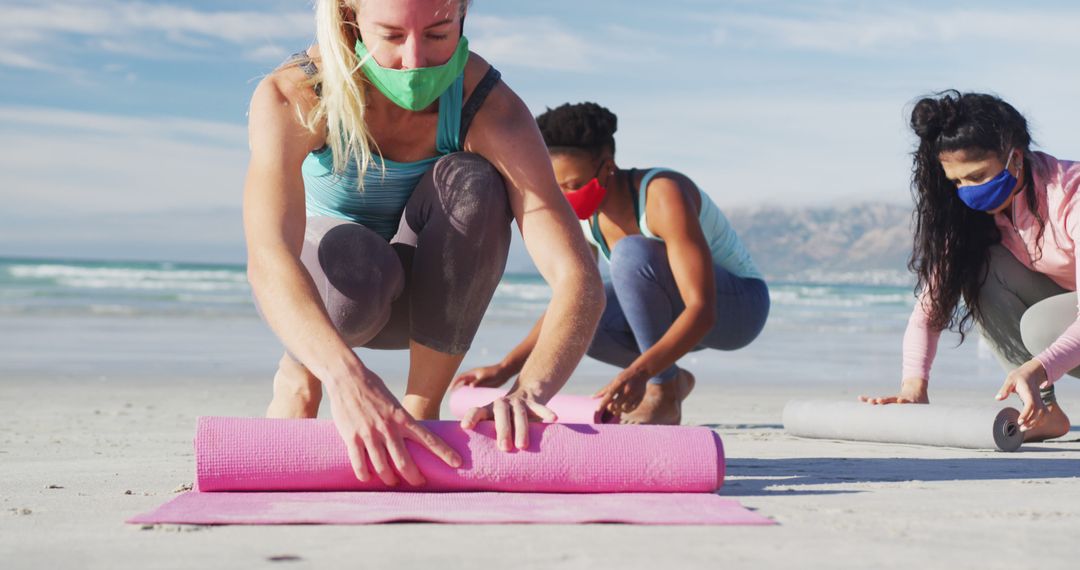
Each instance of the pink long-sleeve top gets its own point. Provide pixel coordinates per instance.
(1057, 195)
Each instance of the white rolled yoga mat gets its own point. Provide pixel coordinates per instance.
(970, 427)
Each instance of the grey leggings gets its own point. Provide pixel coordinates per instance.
(1023, 312)
(432, 283)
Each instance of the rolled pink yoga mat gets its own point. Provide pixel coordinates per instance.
(570, 409)
(256, 454)
(297, 471)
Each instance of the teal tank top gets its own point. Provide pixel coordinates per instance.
(380, 203)
(727, 249)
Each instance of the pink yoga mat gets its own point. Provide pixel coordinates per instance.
(569, 474)
(570, 409)
(460, 508)
(257, 454)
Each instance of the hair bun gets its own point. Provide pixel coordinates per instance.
(579, 125)
(933, 116)
(606, 123)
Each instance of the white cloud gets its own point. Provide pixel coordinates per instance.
(87, 163)
(34, 119)
(119, 18)
(545, 43)
(857, 30)
(171, 31)
(269, 52)
(29, 31)
(21, 61)
(507, 42)
(746, 149)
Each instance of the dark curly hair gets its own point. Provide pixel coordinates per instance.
(951, 252)
(581, 127)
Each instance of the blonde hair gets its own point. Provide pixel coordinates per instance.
(341, 103)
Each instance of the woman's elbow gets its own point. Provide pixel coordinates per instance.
(592, 281)
(704, 314)
(708, 320)
(254, 275)
(596, 299)
(582, 283)
(257, 270)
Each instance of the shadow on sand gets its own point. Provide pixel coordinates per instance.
(757, 476)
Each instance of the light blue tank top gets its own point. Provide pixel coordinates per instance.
(727, 249)
(380, 203)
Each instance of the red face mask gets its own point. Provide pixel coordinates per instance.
(586, 200)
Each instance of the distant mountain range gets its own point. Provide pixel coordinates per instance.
(859, 243)
(866, 243)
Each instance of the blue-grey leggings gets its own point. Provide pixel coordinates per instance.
(434, 283)
(643, 301)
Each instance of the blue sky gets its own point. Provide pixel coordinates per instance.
(122, 124)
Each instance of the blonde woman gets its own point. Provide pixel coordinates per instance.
(387, 163)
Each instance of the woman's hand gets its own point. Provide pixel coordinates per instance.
(484, 377)
(912, 391)
(512, 414)
(375, 427)
(624, 393)
(1025, 382)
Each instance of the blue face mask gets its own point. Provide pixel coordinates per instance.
(989, 195)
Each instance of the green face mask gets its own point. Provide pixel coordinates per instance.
(414, 89)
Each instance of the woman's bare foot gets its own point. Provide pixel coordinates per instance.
(663, 402)
(1056, 424)
(297, 392)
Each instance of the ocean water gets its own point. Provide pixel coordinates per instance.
(165, 289)
(89, 317)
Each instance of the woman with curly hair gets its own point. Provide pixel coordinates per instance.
(681, 279)
(996, 230)
(387, 164)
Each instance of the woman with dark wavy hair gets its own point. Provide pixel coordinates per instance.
(996, 228)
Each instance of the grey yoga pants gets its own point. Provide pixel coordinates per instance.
(433, 281)
(1023, 312)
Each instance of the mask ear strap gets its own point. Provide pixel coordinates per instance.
(1008, 161)
(599, 167)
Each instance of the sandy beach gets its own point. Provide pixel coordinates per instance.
(92, 437)
(151, 150)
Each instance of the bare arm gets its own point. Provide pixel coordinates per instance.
(506, 134)
(274, 223)
(371, 421)
(495, 375)
(674, 218)
(919, 348)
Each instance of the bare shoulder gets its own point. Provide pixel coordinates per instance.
(280, 102)
(671, 189)
(475, 70)
(502, 119)
(288, 84)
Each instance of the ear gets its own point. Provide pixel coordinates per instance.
(350, 21)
